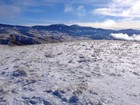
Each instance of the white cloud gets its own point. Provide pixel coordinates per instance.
(79, 11)
(125, 36)
(9, 11)
(68, 9)
(121, 8)
(111, 24)
(107, 23)
(13, 8)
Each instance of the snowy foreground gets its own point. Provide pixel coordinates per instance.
(71, 73)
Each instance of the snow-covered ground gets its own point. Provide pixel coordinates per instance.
(71, 73)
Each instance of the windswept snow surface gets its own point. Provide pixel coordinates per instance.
(71, 73)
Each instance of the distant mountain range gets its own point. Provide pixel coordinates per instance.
(23, 35)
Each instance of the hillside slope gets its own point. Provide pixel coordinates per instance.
(71, 73)
(23, 35)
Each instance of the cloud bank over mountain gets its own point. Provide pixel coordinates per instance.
(113, 24)
(125, 36)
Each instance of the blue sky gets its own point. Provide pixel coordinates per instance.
(112, 14)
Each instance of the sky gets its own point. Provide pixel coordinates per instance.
(107, 14)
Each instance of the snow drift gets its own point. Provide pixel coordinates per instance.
(71, 73)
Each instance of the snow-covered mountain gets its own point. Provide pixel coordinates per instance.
(71, 73)
(23, 35)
